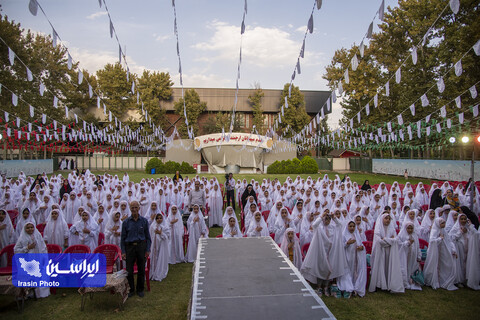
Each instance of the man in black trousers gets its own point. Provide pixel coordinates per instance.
(135, 243)
(230, 186)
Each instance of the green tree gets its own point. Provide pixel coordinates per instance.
(112, 82)
(295, 115)
(255, 101)
(194, 108)
(154, 88)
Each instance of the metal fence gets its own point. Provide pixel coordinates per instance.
(361, 164)
(324, 164)
(106, 163)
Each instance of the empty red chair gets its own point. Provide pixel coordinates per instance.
(265, 214)
(305, 249)
(54, 248)
(368, 246)
(112, 254)
(8, 250)
(101, 238)
(422, 243)
(78, 248)
(369, 235)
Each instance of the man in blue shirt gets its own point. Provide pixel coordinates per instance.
(135, 243)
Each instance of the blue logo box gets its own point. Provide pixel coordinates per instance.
(59, 270)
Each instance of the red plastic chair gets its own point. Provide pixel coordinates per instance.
(272, 235)
(147, 272)
(219, 236)
(305, 250)
(101, 239)
(41, 228)
(13, 214)
(8, 250)
(78, 248)
(425, 207)
(54, 248)
(265, 214)
(368, 246)
(422, 243)
(185, 239)
(369, 235)
(112, 253)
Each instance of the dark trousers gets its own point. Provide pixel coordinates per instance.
(231, 196)
(136, 253)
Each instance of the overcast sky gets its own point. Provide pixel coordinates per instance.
(209, 32)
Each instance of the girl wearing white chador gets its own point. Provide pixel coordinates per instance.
(231, 229)
(215, 204)
(284, 221)
(258, 226)
(113, 229)
(229, 213)
(325, 259)
(160, 232)
(385, 259)
(196, 230)
(87, 231)
(291, 247)
(24, 217)
(439, 270)
(176, 250)
(7, 235)
(355, 279)
(56, 231)
(410, 254)
(464, 237)
(31, 241)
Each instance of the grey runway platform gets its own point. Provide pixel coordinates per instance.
(250, 278)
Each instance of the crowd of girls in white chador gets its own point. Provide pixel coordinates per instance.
(322, 225)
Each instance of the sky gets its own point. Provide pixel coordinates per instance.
(209, 36)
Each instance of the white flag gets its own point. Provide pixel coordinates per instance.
(440, 85)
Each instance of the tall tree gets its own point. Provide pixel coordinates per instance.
(154, 88)
(295, 115)
(112, 82)
(194, 108)
(255, 101)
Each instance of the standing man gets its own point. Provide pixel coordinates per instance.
(230, 186)
(197, 196)
(135, 243)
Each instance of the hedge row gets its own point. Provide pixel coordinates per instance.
(168, 167)
(306, 165)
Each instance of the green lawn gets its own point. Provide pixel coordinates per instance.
(169, 299)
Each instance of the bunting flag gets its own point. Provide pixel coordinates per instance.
(440, 85)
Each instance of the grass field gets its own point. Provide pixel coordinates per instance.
(169, 299)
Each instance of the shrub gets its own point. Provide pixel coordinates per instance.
(171, 167)
(185, 167)
(154, 163)
(294, 166)
(273, 168)
(309, 165)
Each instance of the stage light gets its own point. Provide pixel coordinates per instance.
(478, 139)
(452, 140)
(1, 136)
(465, 139)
